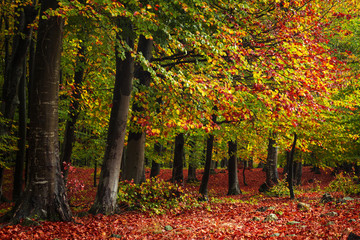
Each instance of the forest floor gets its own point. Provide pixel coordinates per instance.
(245, 216)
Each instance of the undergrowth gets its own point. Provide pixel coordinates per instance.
(281, 189)
(345, 184)
(155, 196)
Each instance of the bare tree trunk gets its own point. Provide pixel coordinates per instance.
(290, 164)
(234, 188)
(134, 161)
(44, 196)
(178, 166)
(155, 166)
(272, 176)
(105, 201)
(205, 178)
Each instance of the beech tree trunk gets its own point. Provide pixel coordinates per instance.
(290, 164)
(192, 174)
(74, 111)
(44, 196)
(205, 178)
(272, 176)
(155, 166)
(178, 165)
(234, 188)
(134, 161)
(105, 200)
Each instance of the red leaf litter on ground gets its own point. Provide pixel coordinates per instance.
(235, 217)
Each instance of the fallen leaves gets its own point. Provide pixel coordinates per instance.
(222, 217)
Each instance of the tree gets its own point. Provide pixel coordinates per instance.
(44, 196)
(290, 164)
(135, 152)
(178, 164)
(105, 200)
(14, 84)
(272, 176)
(208, 158)
(234, 188)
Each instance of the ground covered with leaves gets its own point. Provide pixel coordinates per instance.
(248, 216)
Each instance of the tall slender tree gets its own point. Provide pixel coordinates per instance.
(234, 188)
(203, 190)
(105, 201)
(272, 176)
(135, 153)
(178, 165)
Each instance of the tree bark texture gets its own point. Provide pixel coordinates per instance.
(135, 155)
(45, 196)
(272, 176)
(105, 200)
(205, 178)
(234, 188)
(178, 166)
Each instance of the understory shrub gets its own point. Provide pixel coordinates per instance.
(345, 184)
(281, 189)
(154, 196)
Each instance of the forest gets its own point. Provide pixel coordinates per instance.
(138, 119)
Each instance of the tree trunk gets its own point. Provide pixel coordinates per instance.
(272, 176)
(290, 164)
(234, 188)
(192, 174)
(15, 71)
(155, 169)
(205, 178)
(178, 166)
(105, 200)
(74, 111)
(134, 161)
(155, 166)
(45, 196)
(297, 173)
